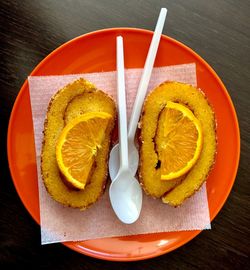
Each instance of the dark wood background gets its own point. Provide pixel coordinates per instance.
(218, 30)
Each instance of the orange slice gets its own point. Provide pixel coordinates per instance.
(178, 140)
(78, 145)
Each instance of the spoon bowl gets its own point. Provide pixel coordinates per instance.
(126, 196)
(114, 162)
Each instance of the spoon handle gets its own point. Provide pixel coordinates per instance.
(122, 112)
(143, 86)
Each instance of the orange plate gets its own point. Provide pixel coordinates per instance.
(95, 52)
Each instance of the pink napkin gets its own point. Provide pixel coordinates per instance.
(59, 223)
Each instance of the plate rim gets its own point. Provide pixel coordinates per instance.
(73, 245)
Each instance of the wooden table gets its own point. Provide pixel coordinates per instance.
(217, 30)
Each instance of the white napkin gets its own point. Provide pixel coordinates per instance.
(59, 223)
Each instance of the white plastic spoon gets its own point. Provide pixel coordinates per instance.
(125, 191)
(133, 156)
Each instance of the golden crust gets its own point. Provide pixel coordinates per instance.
(66, 104)
(174, 192)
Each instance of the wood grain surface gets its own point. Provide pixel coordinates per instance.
(218, 30)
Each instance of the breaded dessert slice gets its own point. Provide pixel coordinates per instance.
(175, 191)
(68, 103)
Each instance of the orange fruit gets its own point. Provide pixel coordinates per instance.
(178, 140)
(78, 145)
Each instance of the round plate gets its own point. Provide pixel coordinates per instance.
(95, 52)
